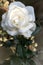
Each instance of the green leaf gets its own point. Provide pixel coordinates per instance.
(19, 50)
(32, 62)
(18, 61)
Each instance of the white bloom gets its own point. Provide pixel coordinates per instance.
(19, 20)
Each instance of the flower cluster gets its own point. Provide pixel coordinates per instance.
(19, 20)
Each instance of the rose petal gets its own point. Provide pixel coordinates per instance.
(16, 3)
(12, 33)
(31, 12)
(3, 16)
(3, 20)
(27, 34)
(31, 26)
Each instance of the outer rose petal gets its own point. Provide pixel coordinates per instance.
(27, 34)
(12, 33)
(3, 16)
(16, 3)
(33, 28)
(3, 20)
(29, 26)
(28, 30)
(31, 12)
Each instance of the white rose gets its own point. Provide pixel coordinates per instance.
(19, 20)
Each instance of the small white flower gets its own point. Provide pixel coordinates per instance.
(19, 20)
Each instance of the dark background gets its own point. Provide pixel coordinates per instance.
(38, 6)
